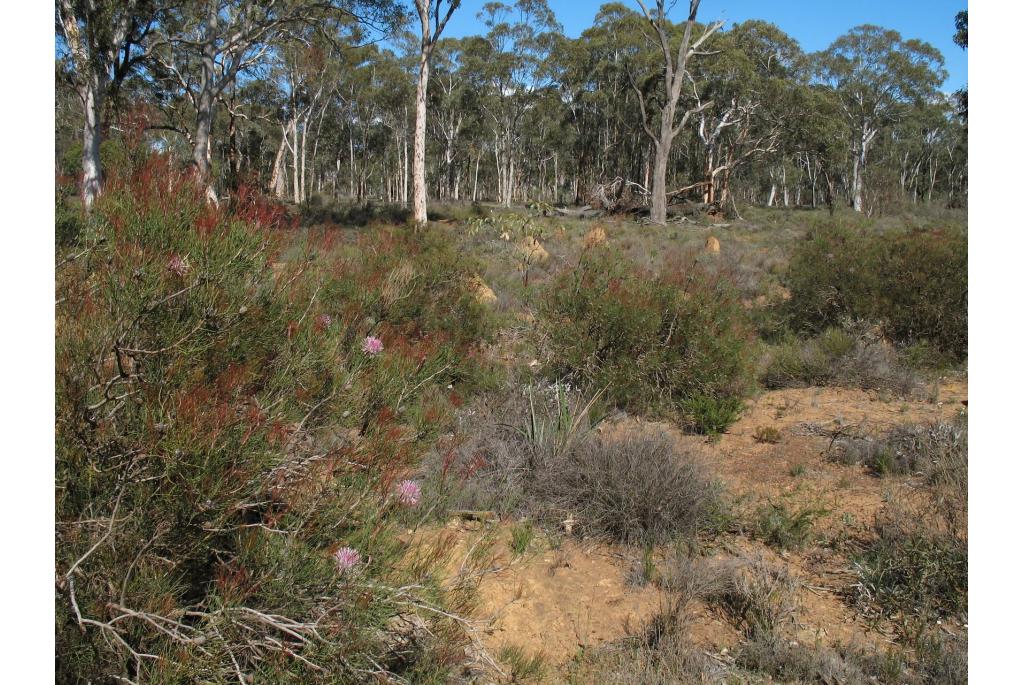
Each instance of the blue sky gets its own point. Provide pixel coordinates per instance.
(813, 24)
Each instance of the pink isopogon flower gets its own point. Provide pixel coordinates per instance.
(323, 322)
(372, 345)
(408, 493)
(347, 559)
(178, 266)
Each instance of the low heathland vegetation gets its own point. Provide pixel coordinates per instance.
(270, 407)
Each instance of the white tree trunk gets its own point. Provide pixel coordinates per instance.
(92, 103)
(419, 172)
(277, 180)
(295, 163)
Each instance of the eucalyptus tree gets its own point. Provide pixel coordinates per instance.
(603, 131)
(440, 11)
(960, 38)
(749, 83)
(202, 48)
(878, 76)
(661, 124)
(102, 40)
(508, 64)
(448, 112)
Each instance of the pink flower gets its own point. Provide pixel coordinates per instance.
(408, 493)
(178, 266)
(347, 559)
(323, 322)
(372, 345)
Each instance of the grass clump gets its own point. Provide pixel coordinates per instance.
(522, 666)
(784, 527)
(521, 537)
(851, 355)
(937, 450)
(677, 343)
(536, 455)
(767, 434)
(638, 489)
(912, 569)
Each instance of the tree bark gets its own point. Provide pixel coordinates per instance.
(419, 172)
(659, 201)
(428, 40)
(92, 103)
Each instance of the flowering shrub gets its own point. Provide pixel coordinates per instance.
(408, 493)
(347, 559)
(225, 456)
(372, 345)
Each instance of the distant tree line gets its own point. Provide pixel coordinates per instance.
(317, 97)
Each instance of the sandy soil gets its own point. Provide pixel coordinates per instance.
(562, 596)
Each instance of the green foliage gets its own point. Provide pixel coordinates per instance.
(217, 441)
(833, 276)
(675, 343)
(522, 666)
(69, 219)
(917, 563)
(780, 526)
(851, 356)
(914, 284)
(913, 570)
(711, 415)
(316, 211)
(521, 537)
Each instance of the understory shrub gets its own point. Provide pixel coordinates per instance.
(678, 342)
(848, 356)
(639, 489)
(538, 456)
(917, 562)
(914, 284)
(938, 450)
(233, 450)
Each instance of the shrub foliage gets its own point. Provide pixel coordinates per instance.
(914, 284)
(678, 342)
(221, 433)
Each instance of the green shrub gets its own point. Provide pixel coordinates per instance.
(851, 356)
(914, 284)
(521, 537)
(911, 569)
(833, 276)
(218, 440)
(925, 291)
(679, 342)
(522, 666)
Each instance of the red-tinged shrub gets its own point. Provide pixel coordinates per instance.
(677, 342)
(210, 463)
